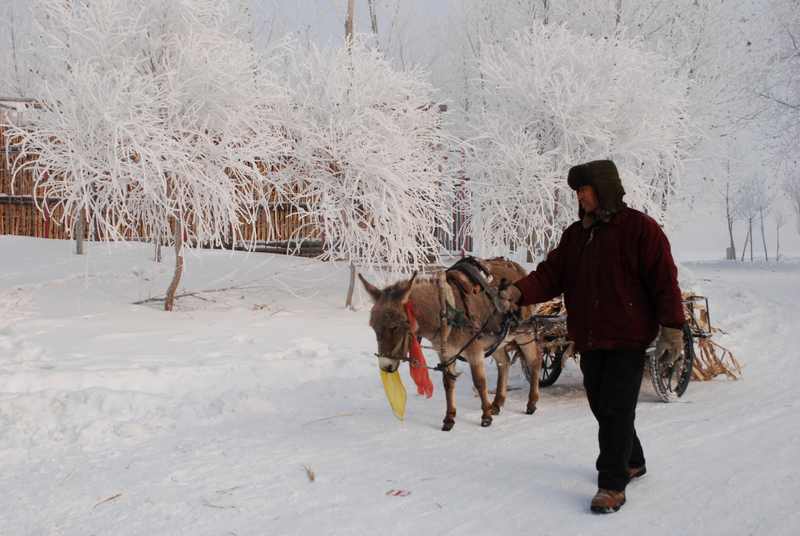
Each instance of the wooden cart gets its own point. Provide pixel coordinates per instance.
(669, 383)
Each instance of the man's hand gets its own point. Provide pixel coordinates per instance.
(509, 298)
(669, 345)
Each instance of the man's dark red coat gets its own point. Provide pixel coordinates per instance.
(618, 279)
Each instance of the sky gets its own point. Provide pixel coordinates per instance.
(323, 20)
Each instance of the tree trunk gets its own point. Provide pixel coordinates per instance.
(744, 247)
(546, 18)
(169, 302)
(750, 233)
(797, 212)
(777, 242)
(731, 253)
(157, 247)
(349, 300)
(763, 237)
(80, 230)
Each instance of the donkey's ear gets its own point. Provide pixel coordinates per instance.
(407, 288)
(373, 291)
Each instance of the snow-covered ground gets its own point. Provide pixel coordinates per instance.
(122, 419)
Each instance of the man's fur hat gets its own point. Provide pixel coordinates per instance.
(603, 176)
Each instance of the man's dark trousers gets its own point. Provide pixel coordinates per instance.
(612, 379)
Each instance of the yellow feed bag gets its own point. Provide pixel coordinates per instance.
(395, 392)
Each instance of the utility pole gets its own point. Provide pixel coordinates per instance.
(348, 22)
(348, 39)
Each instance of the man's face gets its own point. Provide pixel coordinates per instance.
(587, 198)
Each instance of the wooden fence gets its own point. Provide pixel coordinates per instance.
(278, 227)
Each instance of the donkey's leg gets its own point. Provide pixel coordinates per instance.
(449, 377)
(533, 357)
(503, 361)
(478, 370)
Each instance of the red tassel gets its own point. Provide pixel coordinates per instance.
(418, 366)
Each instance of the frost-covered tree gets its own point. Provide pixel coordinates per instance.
(553, 98)
(723, 48)
(781, 87)
(16, 74)
(780, 91)
(371, 154)
(157, 121)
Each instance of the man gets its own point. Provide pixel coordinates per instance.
(619, 282)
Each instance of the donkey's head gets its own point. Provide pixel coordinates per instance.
(388, 319)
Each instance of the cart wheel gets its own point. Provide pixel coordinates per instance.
(671, 383)
(551, 366)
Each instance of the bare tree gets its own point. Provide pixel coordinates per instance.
(753, 201)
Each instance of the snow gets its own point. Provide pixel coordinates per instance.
(123, 419)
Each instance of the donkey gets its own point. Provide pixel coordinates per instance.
(391, 325)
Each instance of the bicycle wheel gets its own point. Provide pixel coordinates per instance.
(551, 366)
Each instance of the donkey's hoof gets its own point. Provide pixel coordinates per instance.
(495, 410)
(530, 410)
(447, 426)
(486, 421)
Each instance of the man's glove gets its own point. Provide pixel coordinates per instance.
(509, 298)
(669, 345)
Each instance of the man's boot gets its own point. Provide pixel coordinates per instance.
(607, 501)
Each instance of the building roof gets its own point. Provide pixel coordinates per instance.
(17, 104)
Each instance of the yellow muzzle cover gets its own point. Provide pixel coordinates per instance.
(395, 392)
